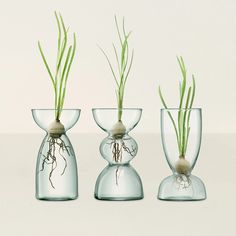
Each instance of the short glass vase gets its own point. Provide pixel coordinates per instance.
(56, 177)
(119, 181)
(181, 133)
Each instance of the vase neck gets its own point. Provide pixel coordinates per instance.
(118, 150)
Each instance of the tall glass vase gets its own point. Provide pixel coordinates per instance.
(56, 168)
(119, 180)
(181, 131)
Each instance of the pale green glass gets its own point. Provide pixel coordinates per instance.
(181, 186)
(56, 177)
(119, 181)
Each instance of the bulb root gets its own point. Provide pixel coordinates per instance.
(51, 159)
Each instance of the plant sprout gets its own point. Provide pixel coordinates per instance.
(182, 128)
(64, 59)
(124, 60)
(124, 63)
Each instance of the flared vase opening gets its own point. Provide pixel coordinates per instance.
(117, 122)
(46, 118)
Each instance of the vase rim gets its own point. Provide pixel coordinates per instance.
(53, 109)
(113, 108)
(183, 109)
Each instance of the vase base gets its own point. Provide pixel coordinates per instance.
(56, 199)
(119, 183)
(118, 198)
(182, 188)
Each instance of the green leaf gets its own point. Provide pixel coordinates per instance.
(130, 65)
(172, 119)
(45, 63)
(193, 94)
(123, 64)
(117, 59)
(71, 59)
(185, 106)
(59, 36)
(113, 73)
(63, 75)
(118, 31)
(63, 63)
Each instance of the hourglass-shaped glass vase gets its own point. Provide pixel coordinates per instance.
(56, 168)
(181, 131)
(119, 181)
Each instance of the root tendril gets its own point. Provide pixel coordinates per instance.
(51, 159)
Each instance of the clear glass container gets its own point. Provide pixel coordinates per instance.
(181, 185)
(56, 168)
(119, 180)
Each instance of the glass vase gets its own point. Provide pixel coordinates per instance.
(181, 131)
(119, 181)
(56, 168)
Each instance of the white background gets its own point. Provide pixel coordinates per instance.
(203, 32)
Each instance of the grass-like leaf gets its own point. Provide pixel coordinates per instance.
(172, 119)
(63, 64)
(184, 112)
(123, 63)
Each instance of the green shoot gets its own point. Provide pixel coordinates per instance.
(182, 129)
(64, 59)
(124, 64)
